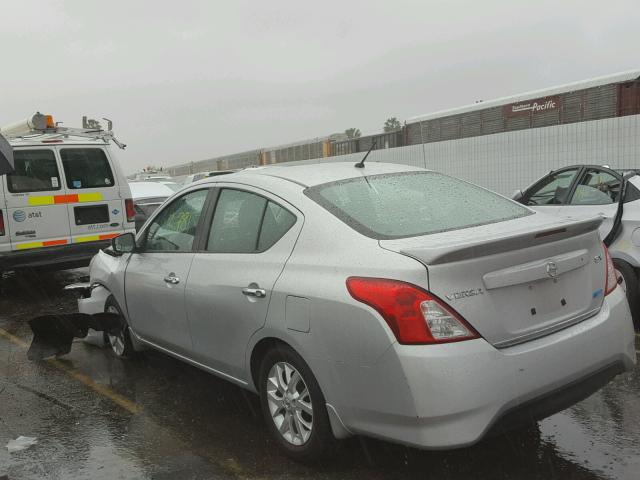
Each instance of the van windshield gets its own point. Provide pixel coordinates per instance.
(86, 168)
(409, 204)
(35, 171)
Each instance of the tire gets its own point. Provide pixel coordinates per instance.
(306, 432)
(629, 285)
(120, 341)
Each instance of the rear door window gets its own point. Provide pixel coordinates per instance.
(277, 221)
(236, 222)
(86, 168)
(596, 187)
(244, 222)
(35, 171)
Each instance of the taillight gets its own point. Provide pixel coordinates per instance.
(414, 315)
(131, 212)
(1, 224)
(611, 279)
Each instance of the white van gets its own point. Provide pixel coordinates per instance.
(66, 198)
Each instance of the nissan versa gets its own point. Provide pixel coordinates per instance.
(383, 300)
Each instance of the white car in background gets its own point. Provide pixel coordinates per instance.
(585, 191)
(171, 184)
(147, 196)
(194, 177)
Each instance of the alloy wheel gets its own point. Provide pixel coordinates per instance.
(117, 342)
(289, 403)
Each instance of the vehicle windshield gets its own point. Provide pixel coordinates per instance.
(410, 204)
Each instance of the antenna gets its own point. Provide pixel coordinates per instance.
(360, 164)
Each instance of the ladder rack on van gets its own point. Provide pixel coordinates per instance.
(40, 125)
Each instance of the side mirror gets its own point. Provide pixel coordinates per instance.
(517, 196)
(125, 243)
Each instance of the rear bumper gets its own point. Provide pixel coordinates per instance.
(77, 254)
(455, 394)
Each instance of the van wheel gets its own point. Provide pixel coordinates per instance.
(629, 284)
(293, 406)
(120, 340)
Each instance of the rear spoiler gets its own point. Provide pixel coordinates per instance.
(54, 334)
(481, 248)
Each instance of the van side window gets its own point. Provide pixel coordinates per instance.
(86, 168)
(35, 171)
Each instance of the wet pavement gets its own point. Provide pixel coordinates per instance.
(154, 417)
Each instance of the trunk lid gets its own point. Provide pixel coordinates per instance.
(516, 280)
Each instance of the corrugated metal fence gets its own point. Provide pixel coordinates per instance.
(507, 161)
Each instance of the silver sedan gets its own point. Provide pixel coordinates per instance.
(387, 301)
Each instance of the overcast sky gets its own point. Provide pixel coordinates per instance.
(187, 80)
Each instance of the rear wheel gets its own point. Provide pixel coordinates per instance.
(293, 405)
(629, 284)
(119, 340)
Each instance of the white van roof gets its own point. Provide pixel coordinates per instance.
(43, 130)
(52, 139)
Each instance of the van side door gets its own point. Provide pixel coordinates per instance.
(35, 195)
(94, 205)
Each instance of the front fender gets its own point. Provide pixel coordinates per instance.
(95, 302)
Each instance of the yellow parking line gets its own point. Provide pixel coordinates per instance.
(13, 339)
(116, 398)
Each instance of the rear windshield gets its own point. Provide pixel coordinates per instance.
(35, 171)
(86, 168)
(410, 204)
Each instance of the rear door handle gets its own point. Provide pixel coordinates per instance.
(254, 292)
(172, 279)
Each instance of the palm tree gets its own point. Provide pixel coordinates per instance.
(352, 132)
(392, 124)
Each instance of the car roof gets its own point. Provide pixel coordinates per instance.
(316, 173)
(149, 189)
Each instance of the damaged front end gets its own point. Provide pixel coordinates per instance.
(53, 334)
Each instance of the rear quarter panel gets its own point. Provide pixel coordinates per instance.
(345, 338)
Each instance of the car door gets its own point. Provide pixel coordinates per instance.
(35, 195)
(551, 192)
(157, 273)
(250, 237)
(596, 194)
